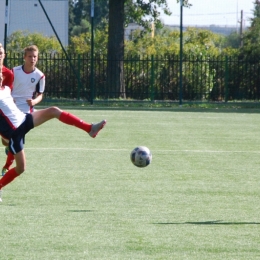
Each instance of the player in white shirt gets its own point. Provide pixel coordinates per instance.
(27, 91)
(27, 88)
(29, 81)
(14, 125)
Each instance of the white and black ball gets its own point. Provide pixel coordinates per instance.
(141, 156)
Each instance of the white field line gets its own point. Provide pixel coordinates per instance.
(119, 150)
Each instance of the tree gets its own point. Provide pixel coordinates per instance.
(18, 40)
(115, 50)
(81, 44)
(232, 40)
(202, 42)
(164, 42)
(79, 15)
(250, 47)
(120, 12)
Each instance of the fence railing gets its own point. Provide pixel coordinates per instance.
(218, 78)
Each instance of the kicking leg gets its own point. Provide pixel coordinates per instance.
(41, 116)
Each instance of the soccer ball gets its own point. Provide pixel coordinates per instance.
(141, 156)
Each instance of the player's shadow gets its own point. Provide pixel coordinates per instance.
(80, 210)
(213, 222)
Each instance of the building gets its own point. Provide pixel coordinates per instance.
(28, 15)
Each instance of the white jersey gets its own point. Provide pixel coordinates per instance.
(25, 86)
(10, 116)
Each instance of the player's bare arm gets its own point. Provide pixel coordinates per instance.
(35, 101)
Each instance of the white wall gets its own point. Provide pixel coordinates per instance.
(2, 20)
(28, 15)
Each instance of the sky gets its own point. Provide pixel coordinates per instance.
(209, 12)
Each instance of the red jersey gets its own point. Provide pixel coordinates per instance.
(8, 77)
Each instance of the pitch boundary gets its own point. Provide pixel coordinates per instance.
(155, 150)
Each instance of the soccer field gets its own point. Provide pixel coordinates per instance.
(82, 198)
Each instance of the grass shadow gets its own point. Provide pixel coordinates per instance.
(213, 222)
(81, 211)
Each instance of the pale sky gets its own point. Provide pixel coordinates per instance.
(209, 12)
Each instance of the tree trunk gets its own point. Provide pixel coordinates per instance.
(115, 55)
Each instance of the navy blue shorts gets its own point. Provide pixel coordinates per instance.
(17, 139)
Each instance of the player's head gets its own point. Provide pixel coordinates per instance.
(31, 48)
(2, 54)
(31, 55)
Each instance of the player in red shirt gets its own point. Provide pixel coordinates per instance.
(27, 90)
(8, 79)
(14, 125)
(7, 73)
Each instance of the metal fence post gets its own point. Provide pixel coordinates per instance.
(181, 51)
(5, 32)
(79, 81)
(226, 78)
(92, 55)
(152, 79)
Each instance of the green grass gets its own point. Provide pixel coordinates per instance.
(81, 198)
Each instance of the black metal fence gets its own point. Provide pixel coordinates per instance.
(219, 78)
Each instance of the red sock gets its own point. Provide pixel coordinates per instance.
(9, 160)
(8, 177)
(70, 119)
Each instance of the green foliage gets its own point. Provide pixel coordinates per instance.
(199, 45)
(251, 39)
(140, 12)
(201, 42)
(167, 42)
(82, 43)
(82, 28)
(163, 43)
(229, 51)
(145, 12)
(233, 40)
(80, 16)
(18, 40)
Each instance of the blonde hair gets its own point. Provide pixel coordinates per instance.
(30, 48)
